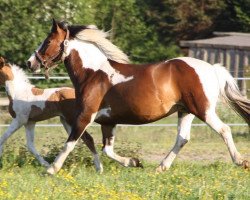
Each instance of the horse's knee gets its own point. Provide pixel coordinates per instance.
(225, 130)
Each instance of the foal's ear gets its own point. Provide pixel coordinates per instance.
(2, 62)
(54, 26)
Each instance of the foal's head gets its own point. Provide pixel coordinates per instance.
(5, 72)
(52, 48)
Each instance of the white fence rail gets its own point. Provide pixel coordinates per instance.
(128, 125)
(67, 78)
(122, 125)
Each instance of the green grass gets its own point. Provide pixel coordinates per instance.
(185, 180)
(202, 170)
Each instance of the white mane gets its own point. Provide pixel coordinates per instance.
(20, 78)
(98, 37)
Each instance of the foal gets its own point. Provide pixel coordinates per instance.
(29, 105)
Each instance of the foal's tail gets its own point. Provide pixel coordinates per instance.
(231, 93)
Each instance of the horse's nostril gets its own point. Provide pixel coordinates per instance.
(28, 64)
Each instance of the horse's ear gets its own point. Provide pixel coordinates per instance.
(2, 62)
(54, 26)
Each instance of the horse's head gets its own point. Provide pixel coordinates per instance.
(5, 71)
(52, 48)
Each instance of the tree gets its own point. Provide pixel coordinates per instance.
(235, 17)
(129, 30)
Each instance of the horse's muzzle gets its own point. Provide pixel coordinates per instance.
(33, 64)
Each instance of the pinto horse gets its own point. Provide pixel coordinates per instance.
(111, 91)
(29, 105)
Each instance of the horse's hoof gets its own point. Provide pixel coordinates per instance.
(160, 169)
(245, 164)
(51, 170)
(135, 162)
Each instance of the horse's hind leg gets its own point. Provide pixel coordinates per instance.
(108, 133)
(89, 141)
(184, 126)
(224, 130)
(29, 128)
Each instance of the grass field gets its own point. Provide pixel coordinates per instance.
(203, 169)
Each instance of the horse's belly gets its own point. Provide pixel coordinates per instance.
(39, 114)
(134, 115)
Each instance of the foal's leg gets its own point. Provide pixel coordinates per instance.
(184, 126)
(15, 125)
(82, 122)
(224, 130)
(108, 133)
(88, 140)
(29, 128)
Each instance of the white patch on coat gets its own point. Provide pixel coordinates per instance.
(95, 59)
(109, 148)
(105, 112)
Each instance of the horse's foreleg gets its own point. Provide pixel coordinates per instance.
(29, 128)
(83, 121)
(89, 141)
(184, 126)
(108, 133)
(15, 125)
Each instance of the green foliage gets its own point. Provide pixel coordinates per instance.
(235, 17)
(147, 30)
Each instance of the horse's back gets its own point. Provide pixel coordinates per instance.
(51, 102)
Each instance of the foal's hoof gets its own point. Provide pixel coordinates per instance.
(245, 164)
(135, 162)
(99, 169)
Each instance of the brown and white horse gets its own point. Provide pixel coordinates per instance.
(110, 91)
(29, 105)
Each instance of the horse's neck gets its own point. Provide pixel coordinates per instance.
(17, 88)
(91, 56)
(84, 58)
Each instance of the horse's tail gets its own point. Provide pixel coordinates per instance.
(230, 92)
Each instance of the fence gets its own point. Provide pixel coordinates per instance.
(121, 125)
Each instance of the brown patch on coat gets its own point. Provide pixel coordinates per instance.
(189, 84)
(37, 91)
(5, 73)
(61, 102)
